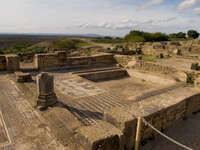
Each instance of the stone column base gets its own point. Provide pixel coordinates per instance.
(46, 100)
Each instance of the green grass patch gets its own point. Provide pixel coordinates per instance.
(69, 44)
(147, 59)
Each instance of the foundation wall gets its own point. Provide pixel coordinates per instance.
(9, 63)
(123, 60)
(161, 118)
(99, 60)
(152, 67)
(48, 61)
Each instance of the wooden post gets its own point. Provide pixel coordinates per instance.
(137, 139)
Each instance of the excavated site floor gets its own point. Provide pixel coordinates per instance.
(80, 103)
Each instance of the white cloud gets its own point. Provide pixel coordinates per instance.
(186, 4)
(151, 3)
(197, 11)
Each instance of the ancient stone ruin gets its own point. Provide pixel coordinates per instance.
(23, 77)
(45, 90)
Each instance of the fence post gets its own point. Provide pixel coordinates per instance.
(137, 139)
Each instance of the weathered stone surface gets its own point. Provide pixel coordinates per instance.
(12, 63)
(102, 136)
(195, 66)
(164, 110)
(2, 63)
(23, 77)
(179, 52)
(45, 90)
(126, 122)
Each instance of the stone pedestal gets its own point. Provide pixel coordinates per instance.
(45, 90)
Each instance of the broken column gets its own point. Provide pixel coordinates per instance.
(45, 90)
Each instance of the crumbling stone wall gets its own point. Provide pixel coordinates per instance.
(153, 67)
(123, 60)
(98, 60)
(2, 63)
(12, 63)
(54, 60)
(49, 60)
(9, 63)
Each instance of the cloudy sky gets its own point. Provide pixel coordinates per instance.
(106, 17)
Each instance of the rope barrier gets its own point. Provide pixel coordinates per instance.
(168, 138)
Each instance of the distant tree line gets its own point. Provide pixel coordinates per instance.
(141, 36)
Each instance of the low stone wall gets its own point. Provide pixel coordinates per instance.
(9, 63)
(123, 60)
(162, 113)
(153, 67)
(99, 60)
(49, 60)
(58, 59)
(2, 63)
(12, 63)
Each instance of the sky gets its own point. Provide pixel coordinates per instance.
(105, 17)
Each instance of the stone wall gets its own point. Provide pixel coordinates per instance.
(58, 59)
(98, 60)
(9, 63)
(153, 67)
(162, 114)
(12, 63)
(123, 60)
(2, 63)
(49, 60)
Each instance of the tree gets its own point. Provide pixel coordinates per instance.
(181, 35)
(193, 34)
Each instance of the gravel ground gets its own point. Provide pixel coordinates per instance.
(186, 132)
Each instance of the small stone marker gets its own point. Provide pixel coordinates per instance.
(45, 90)
(23, 77)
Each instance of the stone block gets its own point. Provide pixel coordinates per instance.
(12, 63)
(124, 121)
(23, 77)
(102, 136)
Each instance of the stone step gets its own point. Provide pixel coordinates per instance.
(96, 70)
(91, 109)
(105, 75)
